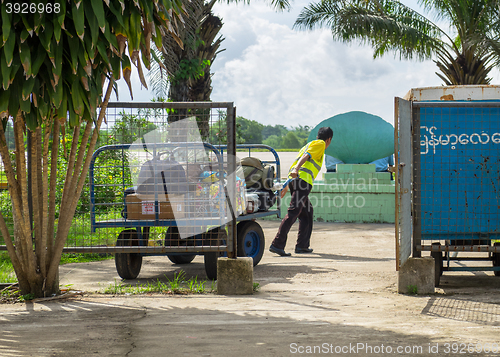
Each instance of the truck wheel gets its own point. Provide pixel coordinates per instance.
(438, 265)
(128, 265)
(181, 259)
(251, 241)
(172, 238)
(211, 257)
(496, 259)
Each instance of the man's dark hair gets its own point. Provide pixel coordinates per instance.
(325, 133)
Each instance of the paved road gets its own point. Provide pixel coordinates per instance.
(342, 298)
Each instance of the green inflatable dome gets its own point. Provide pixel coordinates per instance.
(358, 137)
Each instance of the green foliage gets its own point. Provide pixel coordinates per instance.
(56, 62)
(251, 130)
(190, 69)
(5, 202)
(412, 289)
(178, 285)
(175, 283)
(130, 127)
(7, 274)
(273, 141)
(218, 132)
(6, 270)
(286, 138)
(276, 130)
(290, 141)
(84, 257)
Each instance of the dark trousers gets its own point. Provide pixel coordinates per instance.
(301, 208)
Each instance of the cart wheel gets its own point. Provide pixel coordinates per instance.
(211, 257)
(496, 259)
(128, 265)
(251, 241)
(438, 265)
(172, 236)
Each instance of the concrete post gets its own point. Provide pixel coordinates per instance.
(235, 276)
(416, 276)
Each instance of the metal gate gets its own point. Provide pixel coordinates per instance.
(403, 152)
(135, 133)
(455, 163)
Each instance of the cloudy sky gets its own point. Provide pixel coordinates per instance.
(277, 75)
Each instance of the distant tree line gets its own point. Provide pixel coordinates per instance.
(252, 132)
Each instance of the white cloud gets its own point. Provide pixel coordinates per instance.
(294, 77)
(277, 75)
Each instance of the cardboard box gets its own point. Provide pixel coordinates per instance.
(143, 206)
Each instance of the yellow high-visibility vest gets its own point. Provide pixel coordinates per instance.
(310, 169)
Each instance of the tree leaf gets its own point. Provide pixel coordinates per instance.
(75, 50)
(6, 25)
(115, 63)
(58, 95)
(4, 104)
(40, 57)
(62, 110)
(93, 24)
(46, 35)
(77, 100)
(79, 19)
(8, 48)
(28, 88)
(127, 70)
(99, 13)
(25, 55)
(5, 70)
(30, 118)
(74, 119)
(24, 35)
(25, 106)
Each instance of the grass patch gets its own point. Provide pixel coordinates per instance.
(7, 274)
(412, 289)
(84, 257)
(178, 285)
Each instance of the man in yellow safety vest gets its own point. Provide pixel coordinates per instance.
(301, 178)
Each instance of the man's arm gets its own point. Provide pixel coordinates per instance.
(295, 171)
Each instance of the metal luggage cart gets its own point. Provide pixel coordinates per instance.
(195, 222)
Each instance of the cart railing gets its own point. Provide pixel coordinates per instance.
(155, 147)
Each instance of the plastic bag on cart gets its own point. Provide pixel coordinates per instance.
(210, 196)
(159, 176)
(157, 179)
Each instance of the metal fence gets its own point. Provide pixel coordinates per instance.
(158, 183)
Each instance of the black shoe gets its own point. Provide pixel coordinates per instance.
(278, 251)
(303, 250)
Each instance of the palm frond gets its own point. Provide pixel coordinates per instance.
(386, 25)
(464, 57)
(277, 5)
(158, 78)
